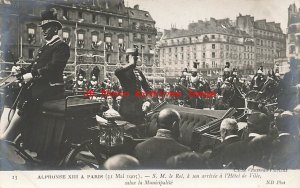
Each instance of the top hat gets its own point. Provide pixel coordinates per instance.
(50, 17)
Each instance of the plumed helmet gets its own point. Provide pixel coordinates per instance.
(260, 70)
(95, 72)
(81, 72)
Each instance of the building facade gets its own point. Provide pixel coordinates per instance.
(245, 43)
(269, 40)
(207, 46)
(293, 32)
(97, 31)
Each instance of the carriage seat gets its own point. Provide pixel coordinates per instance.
(190, 119)
(70, 107)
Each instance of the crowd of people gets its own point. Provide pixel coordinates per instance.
(264, 144)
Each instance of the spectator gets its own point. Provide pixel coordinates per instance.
(229, 135)
(121, 162)
(255, 149)
(117, 104)
(154, 152)
(286, 147)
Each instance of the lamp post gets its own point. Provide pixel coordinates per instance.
(75, 49)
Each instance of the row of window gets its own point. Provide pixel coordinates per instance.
(269, 34)
(205, 38)
(81, 16)
(213, 64)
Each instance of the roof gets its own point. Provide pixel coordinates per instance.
(139, 14)
(269, 26)
(223, 26)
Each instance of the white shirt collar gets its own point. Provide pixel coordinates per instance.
(51, 40)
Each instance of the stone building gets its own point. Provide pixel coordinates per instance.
(96, 30)
(207, 45)
(245, 43)
(269, 40)
(293, 32)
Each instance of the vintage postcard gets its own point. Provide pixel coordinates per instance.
(149, 93)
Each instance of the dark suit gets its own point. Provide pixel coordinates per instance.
(48, 70)
(215, 160)
(154, 152)
(289, 97)
(132, 80)
(286, 152)
(251, 151)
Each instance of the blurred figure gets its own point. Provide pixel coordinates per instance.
(258, 80)
(187, 160)
(121, 162)
(286, 148)
(118, 102)
(110, 102)
(154, 152)
(289, 87)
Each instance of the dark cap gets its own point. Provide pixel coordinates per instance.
(50, 17)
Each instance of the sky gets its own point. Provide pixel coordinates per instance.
(183, 12)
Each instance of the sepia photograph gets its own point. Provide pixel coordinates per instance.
(149, 93)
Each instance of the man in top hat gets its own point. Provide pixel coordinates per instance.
(46, 73)
(133, 81)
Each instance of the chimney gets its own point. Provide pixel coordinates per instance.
(137, 7)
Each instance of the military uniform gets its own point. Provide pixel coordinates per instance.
(48, 70)
(132, 81)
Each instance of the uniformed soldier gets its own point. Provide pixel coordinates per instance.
(94, 84)
(81, 84)
(46, 73)
(226, 71)
(258, 80)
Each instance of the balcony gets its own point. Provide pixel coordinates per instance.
(144, 29)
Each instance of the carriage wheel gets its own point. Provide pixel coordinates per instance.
(84, 156)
